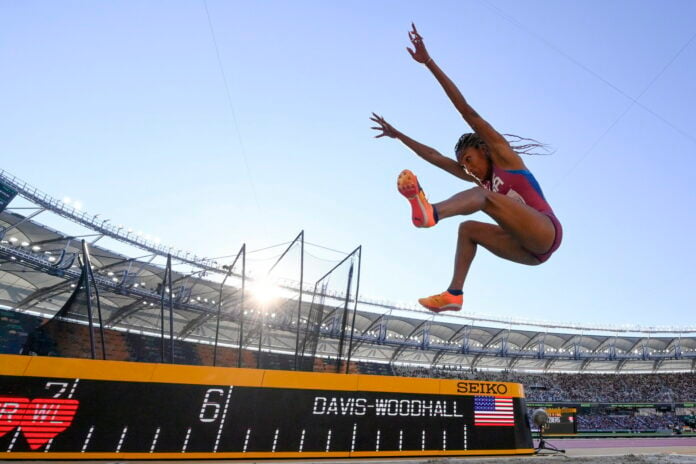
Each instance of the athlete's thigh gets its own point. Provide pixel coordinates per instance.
(532, 229)
(499, 242)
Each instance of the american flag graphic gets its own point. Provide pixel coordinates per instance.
(494, 410)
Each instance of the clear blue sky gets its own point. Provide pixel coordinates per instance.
(123, 106)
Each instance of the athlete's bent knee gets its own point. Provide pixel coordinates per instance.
(468, 228)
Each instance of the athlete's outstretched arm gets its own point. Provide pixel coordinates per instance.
(429, 154)
(500, 149)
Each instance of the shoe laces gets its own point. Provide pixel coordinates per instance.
(439, 298)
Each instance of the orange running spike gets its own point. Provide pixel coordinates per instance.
(422, 212)
(445, 301)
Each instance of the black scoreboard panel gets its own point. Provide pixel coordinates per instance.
(562, 421)
(47, 417)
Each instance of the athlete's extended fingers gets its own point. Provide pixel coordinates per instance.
(415, 32)
(413, 54)
(379, 119)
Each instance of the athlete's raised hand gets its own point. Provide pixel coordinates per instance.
(386, 128)
(419, 52)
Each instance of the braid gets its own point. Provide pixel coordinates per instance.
(525, 146)
(521, 145)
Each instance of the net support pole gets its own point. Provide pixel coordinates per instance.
(302, 346)
(355, 310)
(300, 237)
(89, 300)
(219, 309)
(90, 275)
(241, 308)
(169, 290)
(219, 314)
(163, 286)
(344, 321)
(299, 303)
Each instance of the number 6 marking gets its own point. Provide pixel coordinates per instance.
(206, 414)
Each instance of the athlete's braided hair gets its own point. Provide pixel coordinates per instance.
(520, 145)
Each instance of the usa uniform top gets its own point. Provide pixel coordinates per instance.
(521, 185)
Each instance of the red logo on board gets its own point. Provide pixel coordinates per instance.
(40, 419)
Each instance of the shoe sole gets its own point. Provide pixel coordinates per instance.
(449, 307)
(407, 184)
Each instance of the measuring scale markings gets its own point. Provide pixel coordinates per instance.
(186, 440)
(222, 420)
(89, 437)
(120, 441)
(154, 440)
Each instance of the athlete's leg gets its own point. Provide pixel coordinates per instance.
(471, 234)
(531, 229)
(492, 237)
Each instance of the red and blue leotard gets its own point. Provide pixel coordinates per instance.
(522, 186)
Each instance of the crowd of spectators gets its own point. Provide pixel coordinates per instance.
(597, 388)
(630, 423)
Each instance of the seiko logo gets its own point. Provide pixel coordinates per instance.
(482, 388)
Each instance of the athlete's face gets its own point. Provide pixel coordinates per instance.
(474, 161)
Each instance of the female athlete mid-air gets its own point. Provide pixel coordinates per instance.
(527, 231)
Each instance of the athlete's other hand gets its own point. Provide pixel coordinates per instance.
(384, 126)
(419, 52)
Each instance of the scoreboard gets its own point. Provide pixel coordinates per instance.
(562, 421)
(60, 408)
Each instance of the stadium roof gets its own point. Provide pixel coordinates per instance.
(39, 269)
